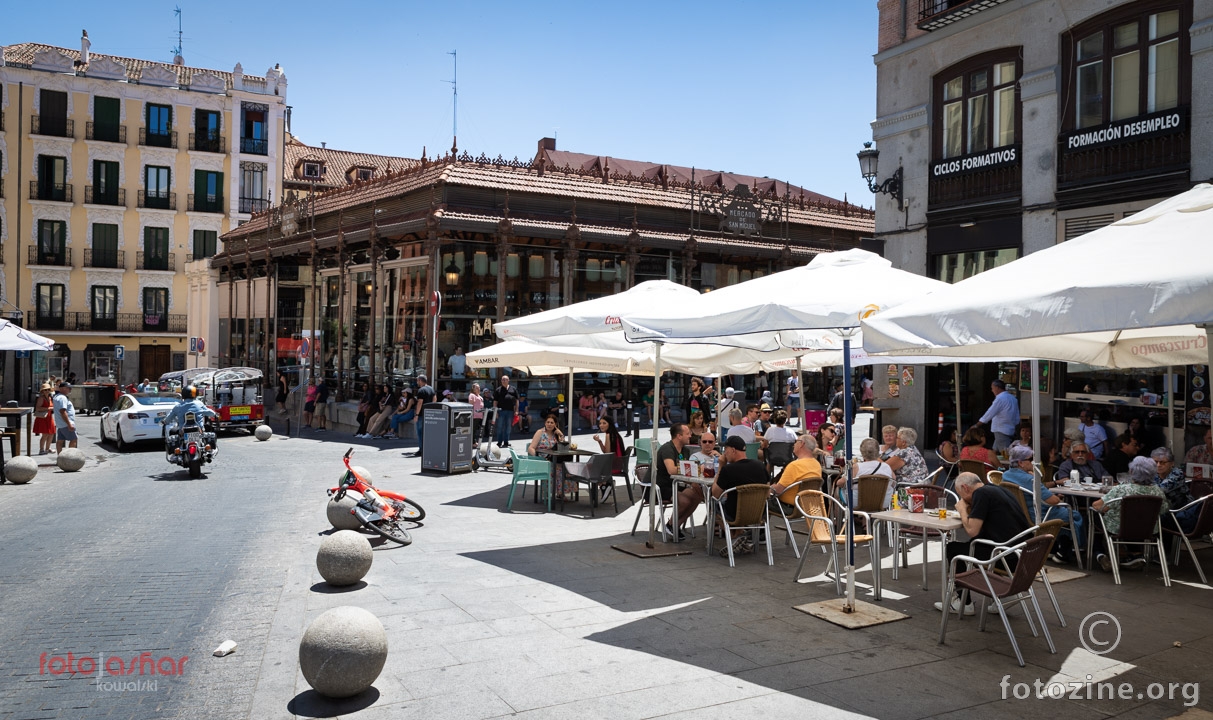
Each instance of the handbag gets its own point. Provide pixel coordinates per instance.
(364, 407)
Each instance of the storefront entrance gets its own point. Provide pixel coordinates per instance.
(154, 361)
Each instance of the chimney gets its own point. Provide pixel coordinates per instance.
(322, 145)
(84, 46)
(547, 144)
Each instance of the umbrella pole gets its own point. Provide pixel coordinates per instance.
(804, 410)
(847, 402)
(572, 421)
(1169, 406)
(1037, 480)
(956, 389)
(653, 448)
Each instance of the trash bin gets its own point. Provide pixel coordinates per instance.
(447, 444)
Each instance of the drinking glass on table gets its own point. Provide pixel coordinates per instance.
(943, 505)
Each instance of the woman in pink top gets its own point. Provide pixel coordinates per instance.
(974, 447)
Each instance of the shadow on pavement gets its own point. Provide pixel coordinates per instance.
(314, 705)
(326, 589)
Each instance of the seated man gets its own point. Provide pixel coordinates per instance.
(738, 470)
(989, 513)
(1175, 486)
(764, 419)
(708, 455)
(666, 464)
(804, 467)
(189, 404)
(1202, 454)
(738, 428)
(1118, 458)
(1081, 460)
(1021, 474)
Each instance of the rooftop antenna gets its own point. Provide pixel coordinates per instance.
(454, 103)
(177, 57)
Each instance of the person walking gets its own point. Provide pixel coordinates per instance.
(44, 419)
(1002, 416)
(425, 394)
(505, 397)
(65, 418)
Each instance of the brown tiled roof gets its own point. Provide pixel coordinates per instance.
(521, 177)
(337, 164)
(561, 159)
(22, 54)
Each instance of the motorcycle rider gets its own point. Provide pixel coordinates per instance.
(189, 404)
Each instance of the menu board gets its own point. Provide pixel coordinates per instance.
(894, 382)
(1198, 395)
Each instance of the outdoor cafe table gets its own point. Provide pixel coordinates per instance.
(556, 455)
(703, 482)
(28, 414)
(931, 521)
(1088, 493)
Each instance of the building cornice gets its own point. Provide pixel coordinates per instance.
(1038, 83)
(899, 123)
(1202, 36)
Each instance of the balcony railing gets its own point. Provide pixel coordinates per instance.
(59, 192)
(253, 205)
(105, 132)
(208, 143)
(54, 127)
(157, 200)
(144, 261)
(117, 322)
(934, 14)
(983, 186)
(104, 259)
(116, 196)
(254, 146)
(205, 203)
(1141, 158)
(152, 139)
(59, 258)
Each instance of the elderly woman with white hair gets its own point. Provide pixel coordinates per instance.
(1175, 486)
(906, 461)
(1142, 472)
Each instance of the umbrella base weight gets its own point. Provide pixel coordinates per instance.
(862, 615)
(641, 550)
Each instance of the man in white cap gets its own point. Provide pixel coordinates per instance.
(726, 405)
(1020, 473)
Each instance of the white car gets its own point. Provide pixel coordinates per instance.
(136, 417)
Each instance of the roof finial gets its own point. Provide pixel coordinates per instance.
(635, 222)
(507, 204)
(573, 221)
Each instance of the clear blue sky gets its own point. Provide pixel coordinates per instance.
(784, 89)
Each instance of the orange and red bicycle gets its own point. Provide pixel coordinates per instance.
(381, 511)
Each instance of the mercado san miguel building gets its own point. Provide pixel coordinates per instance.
(1019, 124)
(497, 239)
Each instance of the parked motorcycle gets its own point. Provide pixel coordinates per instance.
(191, 446)
(380, 511)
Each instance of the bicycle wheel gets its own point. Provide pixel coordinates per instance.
(409, 510)
(391, 530)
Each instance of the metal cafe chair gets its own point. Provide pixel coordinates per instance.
(1140, 524)
(1204, 526)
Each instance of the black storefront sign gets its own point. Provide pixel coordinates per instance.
(977, 161)
(1166, 122)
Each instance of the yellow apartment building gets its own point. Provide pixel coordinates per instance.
(117, 177)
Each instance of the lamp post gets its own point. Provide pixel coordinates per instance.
(867, 168)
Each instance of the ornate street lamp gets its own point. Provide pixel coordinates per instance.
(867, 168)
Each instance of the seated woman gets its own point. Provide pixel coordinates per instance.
(888, 439)
(610, 441)
(546, 438)
(948, 449)
(378, 424)
(697, 426)
(586, 409)
(871, 464)
(973, 447)
(1142, 470)
(777, 432)
(827, 438)
(907, 463)
(1023, 435)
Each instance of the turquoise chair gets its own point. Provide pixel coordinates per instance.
(528, 468)
(751, 450)
(644, 450)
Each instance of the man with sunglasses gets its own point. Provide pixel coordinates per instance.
(1082, 461)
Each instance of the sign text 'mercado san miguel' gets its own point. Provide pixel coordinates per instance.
(743, 218)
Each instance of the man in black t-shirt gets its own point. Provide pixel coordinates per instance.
(666, 464)
(506, 399)
(988, 513)
(425, 394)
(738, 470)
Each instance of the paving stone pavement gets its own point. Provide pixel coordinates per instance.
(492, 614)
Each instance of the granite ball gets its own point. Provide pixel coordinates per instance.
(20, 469)
(339, 513)
(343, 651)
(71, 459)
(344, 558)
(263, 432)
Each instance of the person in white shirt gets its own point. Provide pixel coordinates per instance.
(777, 432)
(745, 432)
(1003, 415)
(871, 464)
(707, 450)
(724, 410)
(1096, 436)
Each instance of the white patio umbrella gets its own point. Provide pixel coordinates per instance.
(806, 308)
(15, 337)
(1136, 293)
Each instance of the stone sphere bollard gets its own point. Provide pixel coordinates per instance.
(263, 432)
(20, 469)
(339, 513)
(344, 558)
(343, 651)
(71, 459)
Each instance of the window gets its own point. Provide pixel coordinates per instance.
(106, 118)
(954, 267)
(159, 125)
(155, 248)
(207, 131)
(978, 105)
(208, 191)
(103, 305)
(156, 181)
(50, 305)
(52, 178)
(105, 183)
(364, 174)
(1127, 64)
(51, 242)
(52, 113)
(155, 308)
(253, 130)
(205, 242)
(105, 245)
(311, 170)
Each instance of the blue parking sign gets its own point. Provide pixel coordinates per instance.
(119, 352)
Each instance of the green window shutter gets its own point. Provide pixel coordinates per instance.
(106, 111)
